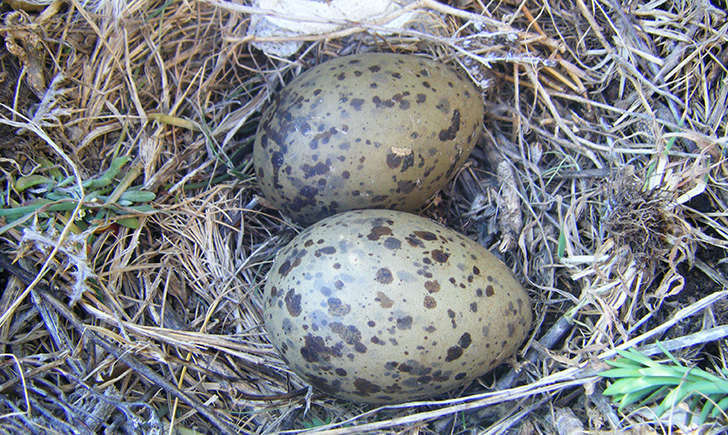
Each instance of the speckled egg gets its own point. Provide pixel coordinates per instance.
(376, 130)
(384, 306)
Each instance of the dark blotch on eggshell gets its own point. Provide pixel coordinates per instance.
(464, 341)
(384, 276)
(430, 302)
(305, 138)
(293, 303)
(365, 387)
(451, 132)
(425, 235)
(453, 353)
(355, 310)
(378, 232)
(392, 243)
(439, 256)
(404, 322)
(316, 350)
(432, 286)
(338, 308)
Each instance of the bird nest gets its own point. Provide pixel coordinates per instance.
(134, 244)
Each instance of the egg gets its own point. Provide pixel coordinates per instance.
(376, 130)
(384, 306)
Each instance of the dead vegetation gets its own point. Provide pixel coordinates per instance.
(134, 245)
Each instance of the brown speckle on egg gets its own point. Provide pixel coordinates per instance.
(378, 232)
(432, 286)
(430, 302)
(383, 300)
(439, 256)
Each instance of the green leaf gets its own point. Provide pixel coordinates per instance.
(137, 196)
(669, 355)
(16, 212)
(144, 208)
(108, 176)
(129, 222)
(24, 183)
(55, 195)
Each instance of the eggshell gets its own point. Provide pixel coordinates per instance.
(377, 130)
(384, 306)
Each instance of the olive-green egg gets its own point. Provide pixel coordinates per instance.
(384, 306)
(365, 131)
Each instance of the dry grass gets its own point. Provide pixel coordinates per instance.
(602, 181)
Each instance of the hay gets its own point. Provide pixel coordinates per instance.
(601, 180)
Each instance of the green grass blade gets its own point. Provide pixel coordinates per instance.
(673, 398)
(707, 387)
(626, 386)
(722, 407)
(667, 352)
(638, 396)
(663, 371)
(639, 379)
(707, 408)
(624, 363)
(10, 225)
(627, 372)
(657, 394)
(638, 357)
(561, 249)
(702, 375)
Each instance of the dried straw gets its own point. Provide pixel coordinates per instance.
(602, 181)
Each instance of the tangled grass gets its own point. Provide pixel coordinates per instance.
(133, 244)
